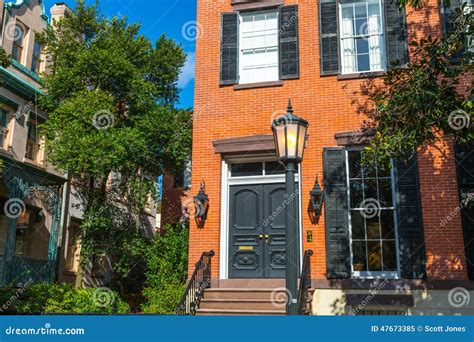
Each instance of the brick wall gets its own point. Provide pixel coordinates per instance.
(331, 106)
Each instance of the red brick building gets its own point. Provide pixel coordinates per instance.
(252, 56)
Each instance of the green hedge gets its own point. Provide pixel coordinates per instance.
(167, 261)
(60, 299)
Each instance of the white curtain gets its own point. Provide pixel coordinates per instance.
(375, 46)
(348, 44)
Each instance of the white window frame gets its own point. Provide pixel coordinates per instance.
(381, 34)
(373, 274)
(241, 51)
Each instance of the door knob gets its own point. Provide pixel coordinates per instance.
(261, 237)
(267, 237)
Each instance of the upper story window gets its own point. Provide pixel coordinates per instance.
(259, 47)
(36, 62)
(362, 37)
(3, 128)
(33, 141)
(18, 43)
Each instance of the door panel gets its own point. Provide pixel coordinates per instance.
(274, 227)
(245, 217)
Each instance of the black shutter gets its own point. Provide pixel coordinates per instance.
(449, 24)
(465, 166)
(448, 14)
(328, 37)
(336, 205)
(409, 220)
(397, 45)
(229, 48)
(289, 55)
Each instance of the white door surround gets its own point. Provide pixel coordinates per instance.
(226, 182)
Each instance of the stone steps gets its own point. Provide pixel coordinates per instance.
(242, 302)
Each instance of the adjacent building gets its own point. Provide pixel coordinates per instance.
(414, 255)
(40, 211)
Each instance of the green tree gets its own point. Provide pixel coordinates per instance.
(113, 126)
(428, 100)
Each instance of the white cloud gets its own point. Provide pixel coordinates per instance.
(187, 72)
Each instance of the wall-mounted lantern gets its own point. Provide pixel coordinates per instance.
(201, 204)
(317, 197)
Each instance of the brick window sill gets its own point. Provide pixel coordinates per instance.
(258, 85)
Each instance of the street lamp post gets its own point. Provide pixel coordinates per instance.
(289, 132)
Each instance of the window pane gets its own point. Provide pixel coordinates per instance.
(385, 193)
(359, 256)
(355, 164)
(274, 168)
(389, 256)
(358, 225)
(362, 46)
(374, 256)
(361, 27)
(357, 196)
(363, 63)
(370, 170)
(387, 224)
(373, 228)
(360, 10)
(370, 191)
(246, 170)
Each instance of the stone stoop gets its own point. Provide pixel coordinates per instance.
(243, 302)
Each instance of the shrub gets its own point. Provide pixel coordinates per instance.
(60, 299)
(167, 259)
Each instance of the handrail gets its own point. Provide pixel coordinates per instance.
(200, 281)
(304, 307)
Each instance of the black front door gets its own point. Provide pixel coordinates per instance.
(257, 231)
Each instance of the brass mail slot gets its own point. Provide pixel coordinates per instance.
(245, 248)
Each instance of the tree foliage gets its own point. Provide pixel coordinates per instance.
(112, 124)
(426, 101)
(167, 260)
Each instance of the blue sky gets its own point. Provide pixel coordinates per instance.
(175, 18)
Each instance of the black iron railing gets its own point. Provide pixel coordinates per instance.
(304, 305)
(199, 282)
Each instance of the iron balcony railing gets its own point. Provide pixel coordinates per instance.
(304, 305)
(199, 282)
